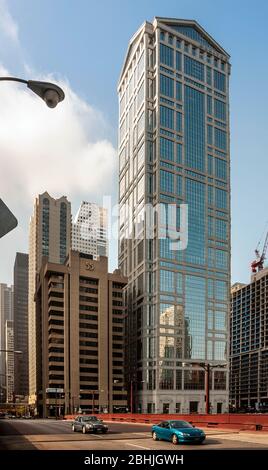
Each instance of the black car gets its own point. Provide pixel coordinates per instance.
(89, 424)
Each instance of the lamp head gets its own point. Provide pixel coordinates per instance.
(51, 97)
(49, 92)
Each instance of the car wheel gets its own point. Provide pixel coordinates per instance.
(104, 431)
(84, 430)
(175, 439)
(73, 428)
(155, 438)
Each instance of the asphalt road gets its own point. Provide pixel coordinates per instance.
(57, 435)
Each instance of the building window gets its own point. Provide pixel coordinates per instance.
(219, 81)
(219, 352)
(194, 68)
(210, 165)
(166, 379)
(170, 39)
(220, 198)
(220, 169)
(63, 231)
(178, 91)
(166, 86)
(193, 407)
(221, 259)
(220, 139)
(166, 117)
(179, 185)
(209, 76)
(178, 122)
(220, 291)
(166, 181)
(150, 408)
(194, 380)
(165, 408)
(178, 408)
(166, 55)
(209, 104)
(166, 149)
(45, 227)
(221, 229)
(178, 382)
(178, 61)
(194, 125)
(167, 283)
(220, 110)
(140, 126)
(210, 135)
(179, 153)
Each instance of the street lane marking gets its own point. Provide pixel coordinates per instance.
(135, 445)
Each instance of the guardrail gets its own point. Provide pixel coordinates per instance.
(258, 422)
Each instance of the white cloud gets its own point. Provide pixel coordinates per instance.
(61, 150)
(8, 25)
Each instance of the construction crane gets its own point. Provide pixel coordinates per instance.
(257, 264)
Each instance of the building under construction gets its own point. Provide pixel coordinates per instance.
(249, 343)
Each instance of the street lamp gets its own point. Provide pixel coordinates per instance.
(49, 92)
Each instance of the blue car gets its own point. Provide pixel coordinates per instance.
(177, 432)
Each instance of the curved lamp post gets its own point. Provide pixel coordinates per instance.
(49, 92)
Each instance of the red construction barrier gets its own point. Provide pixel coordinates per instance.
(240, 422)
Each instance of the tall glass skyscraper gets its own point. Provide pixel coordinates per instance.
(174, 157)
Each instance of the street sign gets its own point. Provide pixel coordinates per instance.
(54, 390)
(7, 220)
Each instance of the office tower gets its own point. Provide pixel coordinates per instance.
(89, 230)
(80, 338)
(20, 314)
(6, 313)
(9, 356)
(50, 237)
(174, 150)
(249, 344)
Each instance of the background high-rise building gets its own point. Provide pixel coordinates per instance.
(249, 344)
(6, 313)
(9, 355)
(50, 236)
(20, 311)
(80, 337)
(89, 230)
(174, 149)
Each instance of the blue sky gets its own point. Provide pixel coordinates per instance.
(84, 43)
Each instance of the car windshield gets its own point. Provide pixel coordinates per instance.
(90, 418)
(180, 424)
